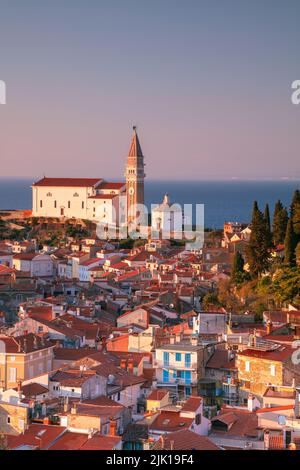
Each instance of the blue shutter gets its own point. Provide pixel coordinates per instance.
(188, 377)
(166, 358)
(165, 375)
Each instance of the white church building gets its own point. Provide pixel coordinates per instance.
(92, 198)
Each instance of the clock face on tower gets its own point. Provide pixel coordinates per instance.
(131, 191)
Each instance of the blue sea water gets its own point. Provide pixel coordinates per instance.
(223, 200)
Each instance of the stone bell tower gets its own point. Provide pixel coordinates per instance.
(134, 177)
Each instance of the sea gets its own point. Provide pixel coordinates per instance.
(229, 200)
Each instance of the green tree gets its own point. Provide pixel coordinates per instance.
(295, 213)
(298, 254)
(237, 268)
(280, 220)
(290, 243)
(258, 247)
(268, 224)
(286, 285)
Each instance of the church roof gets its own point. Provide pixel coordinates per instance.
(71, 182)
(135, 146)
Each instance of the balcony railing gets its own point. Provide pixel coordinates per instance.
(175, 365)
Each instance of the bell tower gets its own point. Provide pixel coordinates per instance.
(134, 177)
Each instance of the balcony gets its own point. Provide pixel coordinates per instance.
(176, 382)
(175, 365)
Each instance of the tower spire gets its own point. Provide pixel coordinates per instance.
(135, 146)
(134, 177)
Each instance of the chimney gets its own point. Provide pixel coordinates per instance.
(267, 439)
(251, 399)
(112, 427)
(130, 366)
(172, 339)
(178, 337)
(123, 364)
(20, 389)
(73, 409)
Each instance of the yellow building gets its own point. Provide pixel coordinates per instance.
(23, 358)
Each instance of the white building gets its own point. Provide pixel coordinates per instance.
(167, 218)
(39, 265)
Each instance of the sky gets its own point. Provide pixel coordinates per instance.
(206, 82)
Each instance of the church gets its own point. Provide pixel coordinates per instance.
(93, 199)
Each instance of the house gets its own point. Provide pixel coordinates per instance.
(171, 419)
(77, 383)
(222, 372)
(100, 414)
(38, 265)
(258, 368)
(157, 399)
(236, 428)
(24, 357)
(179, 366)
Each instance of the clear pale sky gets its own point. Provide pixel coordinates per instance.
(207, 82)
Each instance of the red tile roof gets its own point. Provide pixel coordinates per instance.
(70, 441)
(184, 440)
(101, 443)
(71, 182)
(170, 421)
(46, 433)
(192, 404)
(280, 355)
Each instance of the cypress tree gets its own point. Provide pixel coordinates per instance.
(295, 213)
(268, 224)
(258, 248)
(290, 243)
(280, 220)
(237, 267)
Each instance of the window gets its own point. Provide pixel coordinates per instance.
(247, 366)
(12, 374)
(41, 203)
(82, 205)
(166, 358)
(12, 358)
(198, 419)
(119, 396)
(273, 370)
(55, 204)
(69, 204)
(8, 420)
(188, 360)
(178, 357)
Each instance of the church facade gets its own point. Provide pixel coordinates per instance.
(93, 198)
